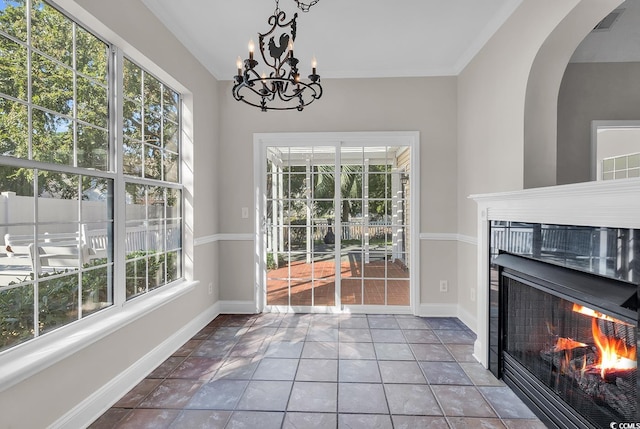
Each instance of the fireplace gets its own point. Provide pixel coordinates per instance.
(564, 320)
(568, 343)
(546, 256)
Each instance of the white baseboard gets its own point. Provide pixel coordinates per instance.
(467, 318)
(378, 309)
(83, 414)
(448, 310)
(480, 353)
(237, 307)
(438, 310)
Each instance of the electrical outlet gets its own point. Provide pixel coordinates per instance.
(444, 286)
(472, 294)
(210, 288)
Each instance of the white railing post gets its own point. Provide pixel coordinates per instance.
(365, 209)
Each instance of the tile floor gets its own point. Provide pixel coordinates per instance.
(322, 371)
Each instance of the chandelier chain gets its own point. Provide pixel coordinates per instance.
(306, 6)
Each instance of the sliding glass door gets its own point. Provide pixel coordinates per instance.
(336, 226)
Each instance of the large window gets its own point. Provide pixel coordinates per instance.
(66, 172)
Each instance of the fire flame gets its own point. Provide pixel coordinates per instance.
(593, 313)
(567, 344)
(614, 352)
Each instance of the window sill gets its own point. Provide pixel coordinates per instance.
(27, 359)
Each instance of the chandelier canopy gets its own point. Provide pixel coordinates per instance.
(282, 88)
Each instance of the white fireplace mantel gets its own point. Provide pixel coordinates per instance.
(614, 203)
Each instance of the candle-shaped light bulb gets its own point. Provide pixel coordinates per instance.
(239, 66)
(290, 47)
(314, 64)
(264, 77)
(252, 48)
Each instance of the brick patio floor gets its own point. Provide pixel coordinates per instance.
(362, 283)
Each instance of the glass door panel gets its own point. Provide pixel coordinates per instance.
(336, 226)
(299, 227)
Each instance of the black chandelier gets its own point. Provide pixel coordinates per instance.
(281, 88)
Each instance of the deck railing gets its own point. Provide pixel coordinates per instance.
(297, 234)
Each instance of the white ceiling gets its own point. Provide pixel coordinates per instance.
(350, 38)
(372, 38)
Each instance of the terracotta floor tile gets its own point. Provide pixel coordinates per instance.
(173, 394)
(148, 419)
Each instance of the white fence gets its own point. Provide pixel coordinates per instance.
(60, 226)
(73, 249)
(140, 237)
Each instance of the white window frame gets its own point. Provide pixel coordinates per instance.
(630, 146)
(28, 358)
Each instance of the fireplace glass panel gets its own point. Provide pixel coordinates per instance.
(609, 252)
(584, 357)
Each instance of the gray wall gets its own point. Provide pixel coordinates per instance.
(492, 108)
(427, 105)
(491, 104)
(592, 91)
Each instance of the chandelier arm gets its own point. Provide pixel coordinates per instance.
(304, 88)
(264, 92)
(251, 87)
(318, 93)
(250, 76)
(268, 89)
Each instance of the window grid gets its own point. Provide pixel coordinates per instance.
(75, 181)
(137, 106)
(621, 167)
(35, 56)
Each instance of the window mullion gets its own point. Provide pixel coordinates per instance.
(29, 81)
(116, 124)
(74, 111)
(36, 260)
(143, 143)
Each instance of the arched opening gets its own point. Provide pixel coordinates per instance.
(542, 143)
(599, 102)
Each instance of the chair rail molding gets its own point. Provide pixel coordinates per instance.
(449, 236)
(214, 238)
